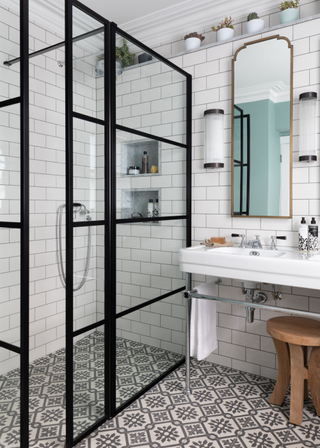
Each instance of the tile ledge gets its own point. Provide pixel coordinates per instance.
(245, 36)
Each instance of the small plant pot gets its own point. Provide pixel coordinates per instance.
(99, 68)
(192, 43)
(289, 15)
(224, 34)
(144, 57)
(255, 25)
(118, 67)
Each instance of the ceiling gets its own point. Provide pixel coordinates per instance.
(123, 11)
(159, 22)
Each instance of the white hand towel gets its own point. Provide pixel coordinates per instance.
(203, 327)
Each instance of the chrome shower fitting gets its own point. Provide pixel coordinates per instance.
(77, 208)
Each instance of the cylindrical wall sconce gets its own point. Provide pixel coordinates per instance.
(213, 138)
(307, 127)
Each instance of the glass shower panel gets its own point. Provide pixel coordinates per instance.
(148, 261)
(10, 398)
(150, 96)
(88, 296)
(164, 182)
(10, 287)
(10, 163)
(9, 50)
(149, 342)
(88, 65)
(88, 381)
(88, 169)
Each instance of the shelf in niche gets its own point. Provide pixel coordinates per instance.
(131, 155)
(136, 201)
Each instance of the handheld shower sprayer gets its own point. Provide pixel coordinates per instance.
(77, 208)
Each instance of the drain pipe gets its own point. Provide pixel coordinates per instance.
(261, 297)
(249, 298)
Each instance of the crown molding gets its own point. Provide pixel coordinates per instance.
(277, 92)
(164, 26)
(171, 24)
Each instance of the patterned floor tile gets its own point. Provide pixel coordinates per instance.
(226, 409)
(137, 365)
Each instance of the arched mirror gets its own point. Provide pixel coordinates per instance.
(262, 129)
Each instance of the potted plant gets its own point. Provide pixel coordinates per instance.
(193, 41)
(123, 57)
(254, 24)
(224, 30)
(289, 11)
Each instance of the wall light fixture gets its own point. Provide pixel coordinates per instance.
(213, 138)
(307, 127)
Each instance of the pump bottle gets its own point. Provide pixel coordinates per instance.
(313, 236)
(303, 236)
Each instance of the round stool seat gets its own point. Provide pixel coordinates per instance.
(295, 330)
(292, 336)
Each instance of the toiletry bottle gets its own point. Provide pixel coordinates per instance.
(145, 162)
(150, 208)
(313, 236)
(156, 209)
(303, 236)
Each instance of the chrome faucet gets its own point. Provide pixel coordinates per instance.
(273, 245)
(255, 243)
(242, 236)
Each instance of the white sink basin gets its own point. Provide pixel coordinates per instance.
(282, 267)
(314, 258)
(248, 252)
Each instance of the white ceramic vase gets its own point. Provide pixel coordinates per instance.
(255, 25)
(192, 43)
(289, 15)
(224, 34)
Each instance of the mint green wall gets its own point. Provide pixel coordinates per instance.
(268, 122)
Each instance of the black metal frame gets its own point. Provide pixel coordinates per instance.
(110, 30)
(24, 256)
(240, 164)
(23, 225)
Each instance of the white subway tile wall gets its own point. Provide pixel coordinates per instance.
(148, 102)
(242, 345)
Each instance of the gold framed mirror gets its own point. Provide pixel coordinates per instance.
(261, 159)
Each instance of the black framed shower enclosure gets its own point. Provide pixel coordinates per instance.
(156, 120)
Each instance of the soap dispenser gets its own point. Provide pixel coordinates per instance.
(313, 236)
(303, 236)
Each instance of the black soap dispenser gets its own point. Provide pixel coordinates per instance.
(313, 236)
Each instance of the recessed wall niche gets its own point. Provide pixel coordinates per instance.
(135, 203)
(131, 155)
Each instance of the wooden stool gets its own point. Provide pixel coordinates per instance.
(292, 336)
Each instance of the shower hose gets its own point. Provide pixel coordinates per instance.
(81, 208)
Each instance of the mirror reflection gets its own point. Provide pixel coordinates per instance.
(262, 96)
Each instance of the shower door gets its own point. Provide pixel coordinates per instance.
(125, 325)
(14, 226)
(86, 134)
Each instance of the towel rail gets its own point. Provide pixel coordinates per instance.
(193, 294)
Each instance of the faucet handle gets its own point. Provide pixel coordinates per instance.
(273, 245)
(242, 235)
